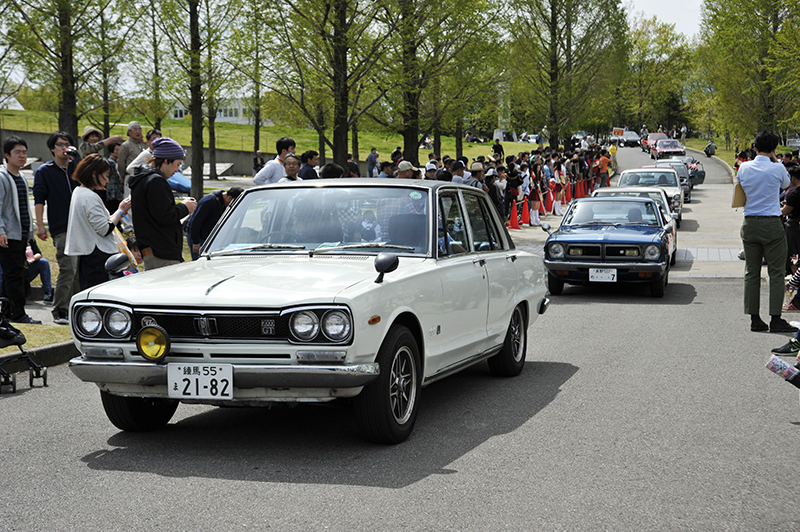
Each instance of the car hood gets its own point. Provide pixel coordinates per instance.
(607, 233)
(243, 281)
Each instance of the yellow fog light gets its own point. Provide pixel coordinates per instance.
(153, 343)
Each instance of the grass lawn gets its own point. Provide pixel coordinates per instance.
(240, 137)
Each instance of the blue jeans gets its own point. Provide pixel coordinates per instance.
(194, 255)
(41, 268)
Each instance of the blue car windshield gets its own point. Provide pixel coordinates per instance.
(611, 213)
(349, 219)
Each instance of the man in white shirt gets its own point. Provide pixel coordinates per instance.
(763, 234)
(274, 170)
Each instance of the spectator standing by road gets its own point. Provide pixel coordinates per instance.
(291, 166)
(90, 235)
(146, 154)
(497, 149)
(258, 163)
(273, 171)
(310, 159)
(205, 217)
(684, 130)
(372, 162)
(52, 187)
(397, 154)
(132, 147)
(16, 227)
(791, 209)
(612, 151)
(157, 222)
(92, 142)
(115, 189)
(763, 233)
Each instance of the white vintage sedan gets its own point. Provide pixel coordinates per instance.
(312, 291)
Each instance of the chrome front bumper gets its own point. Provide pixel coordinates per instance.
(244, 375)
(628, 266)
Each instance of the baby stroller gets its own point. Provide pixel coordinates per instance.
(10, 335)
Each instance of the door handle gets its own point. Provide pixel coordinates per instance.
(512, 258)
(479, 262)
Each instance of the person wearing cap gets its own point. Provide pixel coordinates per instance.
(405, 170)
(157, 223)
(209, 210)
(131, 147)
(430, 170)
(92, 143)
(458, 172)
(146, 154)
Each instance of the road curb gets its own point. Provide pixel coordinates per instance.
(46, 355)
(728, 167)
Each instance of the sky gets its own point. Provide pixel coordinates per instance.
(685, 14)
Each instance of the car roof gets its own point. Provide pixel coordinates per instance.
(648, 169)
(365, 182)
(608, 199)
(639, 190)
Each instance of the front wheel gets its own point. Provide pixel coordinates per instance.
(386, 409)
(138, 414)
(657, 287)
(511, 358)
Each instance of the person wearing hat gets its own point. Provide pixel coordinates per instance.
(476, 178)
(92, 143)
(430, 170)
(157, 223)
(131, 147)
(458, 172)
(405, 170)
(209, 210)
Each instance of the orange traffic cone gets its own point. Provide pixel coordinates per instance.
(526, 214)
(514, 222)
(568, 192)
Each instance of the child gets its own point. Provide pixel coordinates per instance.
(38, 266)
(133, 247)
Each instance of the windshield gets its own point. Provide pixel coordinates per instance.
(648, 179)
(669, 144)
(631, 135)
(611, 212)
(352, 219)
(655, 194)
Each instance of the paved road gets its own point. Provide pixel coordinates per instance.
(632, 413)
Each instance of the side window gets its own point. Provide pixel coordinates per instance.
(451, 235)
(485, 236)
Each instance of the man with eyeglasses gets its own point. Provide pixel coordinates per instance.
(52, 186)
(16, 227)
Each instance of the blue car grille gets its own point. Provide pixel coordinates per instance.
(605, 252)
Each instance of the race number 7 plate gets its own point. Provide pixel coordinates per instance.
(603, 275)
(200, 381)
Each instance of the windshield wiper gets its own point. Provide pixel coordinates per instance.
(250, 248)
(358, 246)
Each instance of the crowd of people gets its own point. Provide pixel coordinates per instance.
(104, 197)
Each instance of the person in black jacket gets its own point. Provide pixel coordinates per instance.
(205, 217)
(156, 216)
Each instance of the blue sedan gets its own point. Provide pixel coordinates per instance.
(610, 240)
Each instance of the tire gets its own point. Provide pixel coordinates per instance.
(674, 258)
(386, 409)
(511, 358)
(555, 285)
(657, 287)
(678, 223)
(138, 414)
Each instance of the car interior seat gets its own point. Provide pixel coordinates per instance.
(634, 215)
(662, 180)
(408, 230)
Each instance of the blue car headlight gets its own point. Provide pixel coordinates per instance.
(652, 252)
(556, 250)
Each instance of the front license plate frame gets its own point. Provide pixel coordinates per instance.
(603, 275)
(192, 380)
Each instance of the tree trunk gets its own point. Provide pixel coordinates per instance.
(437, 140)
(554, 109)
(157, 102)
(212, 143)
(459, 136)
(196, 103)
(321, 134)
(67, 110)
(354, 140)
(341, 88)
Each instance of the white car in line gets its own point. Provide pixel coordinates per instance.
(313, 291)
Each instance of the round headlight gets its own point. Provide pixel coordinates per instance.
(305, 325)
(556, 251)
(153, 343)
(336, 325)
(89, 321)
(652, 252)
(118, 323)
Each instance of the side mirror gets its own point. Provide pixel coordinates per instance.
(117, 263)
(385, 263)
(668, 229)
(546, 228)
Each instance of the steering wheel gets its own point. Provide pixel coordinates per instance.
(280, 237)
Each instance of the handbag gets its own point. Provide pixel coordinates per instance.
(739, 197)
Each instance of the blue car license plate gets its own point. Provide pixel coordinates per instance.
(603, 275)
